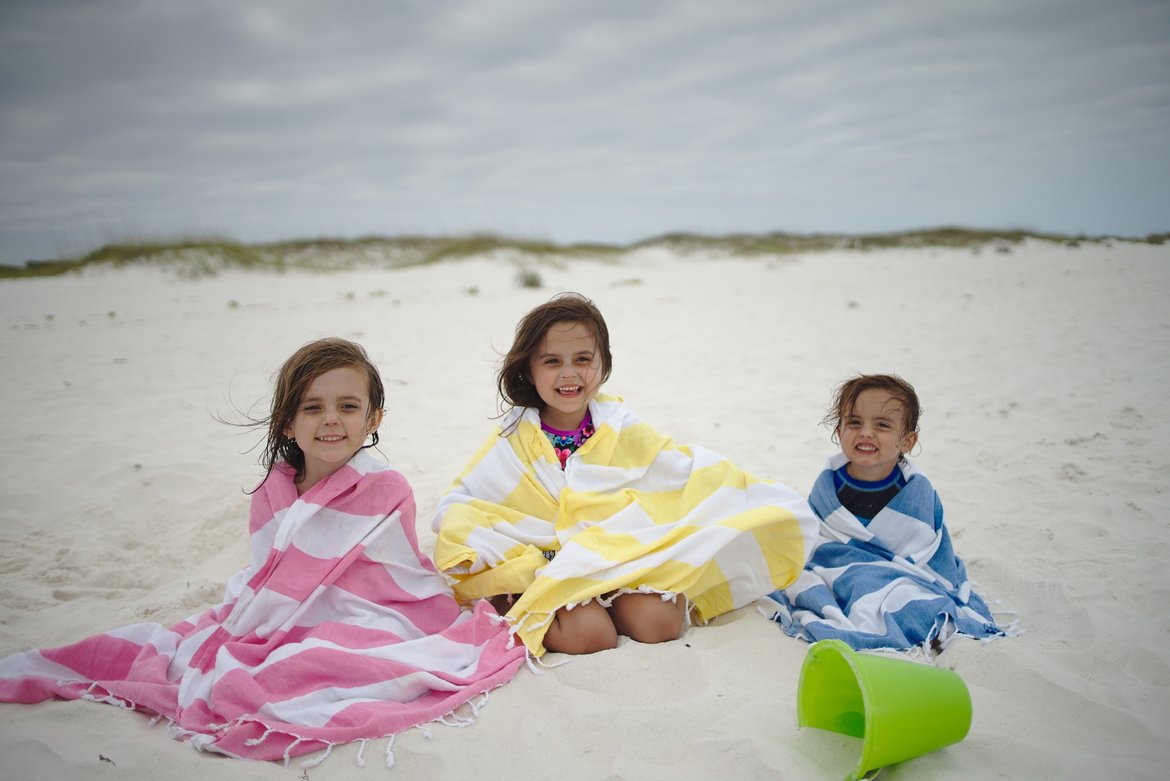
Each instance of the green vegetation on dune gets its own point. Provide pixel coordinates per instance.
(443, 248)
(204, 257)
(122, 254)
(788, 243)
(190, 257)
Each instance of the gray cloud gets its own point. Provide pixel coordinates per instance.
(603, 121)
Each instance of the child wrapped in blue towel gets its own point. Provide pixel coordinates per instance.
(883, 573)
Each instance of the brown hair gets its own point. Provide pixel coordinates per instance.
(845, 398)
(513, 381)
(293, 381)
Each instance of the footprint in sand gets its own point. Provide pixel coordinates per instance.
(65, 595)
(70, 594)
(14, 564)
(1128, 418)
(1097, 438)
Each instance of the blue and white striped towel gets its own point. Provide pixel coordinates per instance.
(891, 582)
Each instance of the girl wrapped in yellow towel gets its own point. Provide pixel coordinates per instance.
(581, 523)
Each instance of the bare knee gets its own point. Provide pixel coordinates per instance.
(647, 618)
(585, 629)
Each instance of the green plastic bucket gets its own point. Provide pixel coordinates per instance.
(900, 709)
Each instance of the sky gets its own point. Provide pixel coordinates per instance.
(599, 120)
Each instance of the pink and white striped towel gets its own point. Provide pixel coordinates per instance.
(339, 629)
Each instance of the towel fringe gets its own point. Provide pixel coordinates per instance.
(289, 748)
(390, 752)
(667, 596)
(547, 620)
(179, 733)
(361, 750)
(773, 616)
(105, 696)
(261, 739)
(533, 661)
(320, 759)
(1011, 630)
(455, 720)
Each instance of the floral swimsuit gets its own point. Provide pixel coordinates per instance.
(565, 443)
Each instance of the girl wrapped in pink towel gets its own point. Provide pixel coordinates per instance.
(338, 629)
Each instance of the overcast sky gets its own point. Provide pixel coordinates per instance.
(606, 120)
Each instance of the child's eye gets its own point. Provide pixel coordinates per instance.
(585, 360)
(310, 408)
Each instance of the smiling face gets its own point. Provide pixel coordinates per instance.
(332, 422)
(566, 371)
(873, 435)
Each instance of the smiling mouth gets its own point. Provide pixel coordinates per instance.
(331, 438)
(568, 390)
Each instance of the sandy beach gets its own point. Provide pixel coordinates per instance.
(1042, 372)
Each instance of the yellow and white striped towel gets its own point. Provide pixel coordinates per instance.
(631, 511)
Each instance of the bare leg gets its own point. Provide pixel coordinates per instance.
(585, 629)
(646, 618)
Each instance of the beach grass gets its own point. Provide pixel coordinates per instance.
(199, 257)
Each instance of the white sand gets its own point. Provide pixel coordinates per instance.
(1043, 375)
